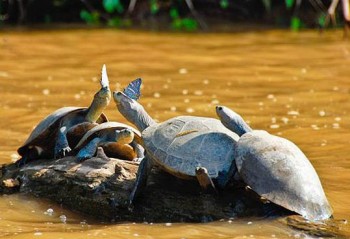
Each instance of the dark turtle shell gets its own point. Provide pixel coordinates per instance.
(49, 126)
(278, 170)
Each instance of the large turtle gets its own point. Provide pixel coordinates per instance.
(185, 146)
(49, 138)
(115, 142)
(276, 169)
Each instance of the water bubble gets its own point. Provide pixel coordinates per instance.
(273, 120)
(49, 78)
(77, 96)
(183, 71)
(303, 70)
(274, 126)
(270, 96)
(249, 223)
(63, 218)
(165, 86)
(173, 108)
(149, 105)
(215, 101)
(285, 120)
(49, 212)
(4, 74)
(205, 82)
(187, 100)
(336, 126)
(315, 127)
(198, 92)
(261, 103)
(156, 95)
(335, 88)
(46, 91)
(135, 235)
(94, 79)
(168, 224)
(322, 113)
(189, 110)
(337, 119)
(185, 92)
(293, 112)
(38, 233)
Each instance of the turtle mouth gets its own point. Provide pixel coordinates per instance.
(117, 96)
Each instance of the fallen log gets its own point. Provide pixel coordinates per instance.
(100, 188)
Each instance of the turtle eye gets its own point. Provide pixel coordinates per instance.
(219, 107)
(118, 93)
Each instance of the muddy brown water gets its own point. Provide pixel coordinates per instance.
(293, 85)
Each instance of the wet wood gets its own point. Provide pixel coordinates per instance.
(100, 187)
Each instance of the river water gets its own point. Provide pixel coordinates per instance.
(292, 84)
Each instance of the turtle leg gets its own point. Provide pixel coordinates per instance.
(100, 153)
(204, 180)
(140, 151)
(89, 150)
(141, 179)
(62, 148)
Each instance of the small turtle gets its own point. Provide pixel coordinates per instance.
(49, 138)
(112, 137)
(188, 147)
(276, 169)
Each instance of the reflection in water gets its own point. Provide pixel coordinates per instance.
(292, 85)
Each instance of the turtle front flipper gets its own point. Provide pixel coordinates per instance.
(89, 150)
(141, 179)
(62, 147)
(204, 180)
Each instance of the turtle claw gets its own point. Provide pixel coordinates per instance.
(61, 153)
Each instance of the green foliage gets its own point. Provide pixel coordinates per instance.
(113, 5)
(154, 6)
(224, 4)
(289, 3)
(174, 13)
(295, 23)
(90, 18)
(178, 23)
(322, 20)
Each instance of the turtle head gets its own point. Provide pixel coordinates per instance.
(232, 120)
(124, 136)
(101, 98)
(132, 110)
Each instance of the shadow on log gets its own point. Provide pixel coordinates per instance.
(100, 188)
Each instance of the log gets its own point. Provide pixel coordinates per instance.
(100, 187)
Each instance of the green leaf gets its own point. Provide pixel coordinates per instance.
(174, 13)
(189, 24)
(289, 3)
(295, 23)
(322, 20)
(154, 7)
(113, 5)
(224, 4)
(176, 24)
(114, 22)
(86, 16)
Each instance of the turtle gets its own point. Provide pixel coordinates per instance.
(112, 137)
(276, 169)
(188, 147)
(49, 138)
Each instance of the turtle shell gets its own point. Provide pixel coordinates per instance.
(183, 143)
(278, 170)
(48, 126)
(104, 127)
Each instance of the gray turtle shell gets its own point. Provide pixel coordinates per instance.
(278, 170)
(103, 128)
(42, 129)
(183, 143)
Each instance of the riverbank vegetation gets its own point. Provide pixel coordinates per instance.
(186, 15)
